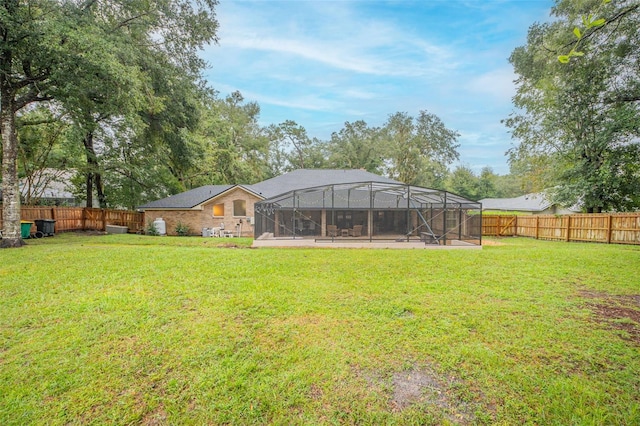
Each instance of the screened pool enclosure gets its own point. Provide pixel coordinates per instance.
(373, 211)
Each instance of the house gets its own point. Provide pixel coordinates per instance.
(48, 187)
(534, 203)
(323, 204)
(210, 206)
(232, 206)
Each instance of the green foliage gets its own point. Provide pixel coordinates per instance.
(152, 229)
(578, 125)
(149, 330)
(357, 146)
(94, 60)
(182, 230)
(236, 148)
(418, 150)
(294, 148)
(589, 22)
(463, 181)
(44, 152)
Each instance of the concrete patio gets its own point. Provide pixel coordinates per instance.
(361, 243)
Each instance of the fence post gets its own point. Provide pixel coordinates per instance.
(568, 227)
(498, 228)
(53, 217)
(103, 217)
(537, 226)
(609, 228)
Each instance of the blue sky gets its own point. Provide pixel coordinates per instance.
(322, 63)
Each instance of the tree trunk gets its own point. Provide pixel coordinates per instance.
(89, 184)
(93, 173)
(102, 199)
(11, 235)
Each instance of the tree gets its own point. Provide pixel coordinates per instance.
(161, 101)
(296, 147)
(43, 156)
(464, 182)
(236, 146)
(50, 48)
(356, 146)
(418, 151)
(574, 119)
(28, 53)
(487, 184)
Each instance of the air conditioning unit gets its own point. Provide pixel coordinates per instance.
(250, 220)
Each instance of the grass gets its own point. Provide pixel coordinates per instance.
(126, 329)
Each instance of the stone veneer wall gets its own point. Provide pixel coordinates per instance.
(198, 219)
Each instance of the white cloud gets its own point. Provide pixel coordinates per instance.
(335, 38)
(497, 83)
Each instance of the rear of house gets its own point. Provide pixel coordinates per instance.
(212, 206)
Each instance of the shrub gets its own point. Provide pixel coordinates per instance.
(152, 229)
(182, 229)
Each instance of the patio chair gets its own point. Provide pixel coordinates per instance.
(332, 230)
(356, 231)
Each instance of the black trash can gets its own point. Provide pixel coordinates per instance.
(46, 226)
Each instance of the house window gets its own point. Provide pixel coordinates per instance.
(218, 210)
(239, 207)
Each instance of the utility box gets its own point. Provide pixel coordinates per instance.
(116, 229)
(46, 226)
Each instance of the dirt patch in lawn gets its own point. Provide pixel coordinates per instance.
(423, 386)
(491, 243)
(617, 312)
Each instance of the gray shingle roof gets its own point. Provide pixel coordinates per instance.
(308, 178)
(297, 179)
(535, 202)
(188, 199)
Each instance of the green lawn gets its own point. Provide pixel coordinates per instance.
(127, 329)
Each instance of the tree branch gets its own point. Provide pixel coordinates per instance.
(622, 98)
(32, 96)
(613, 19)
(126, 21)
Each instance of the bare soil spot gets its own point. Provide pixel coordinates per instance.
(617, 312)
(88, 233)
(424, 386)
(155, 418)
(316, 392)
(227, 245)
(491, 243)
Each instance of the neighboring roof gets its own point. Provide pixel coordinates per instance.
(188, 199)
(308, 178)
(535, 202)
(47, 184)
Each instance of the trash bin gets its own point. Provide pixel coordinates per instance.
(25, 229)
(46, 226)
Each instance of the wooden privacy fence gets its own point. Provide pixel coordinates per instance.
(615, 228)
(82, 218)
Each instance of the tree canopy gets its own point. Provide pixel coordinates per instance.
(578, 122)
(85, 57)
